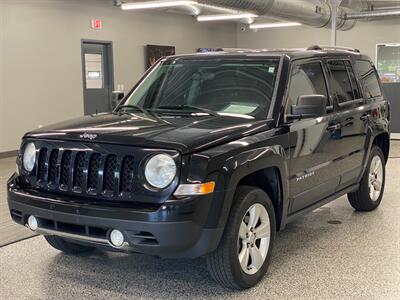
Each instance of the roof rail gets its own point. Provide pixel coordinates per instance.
(324, 47)
(232, 49)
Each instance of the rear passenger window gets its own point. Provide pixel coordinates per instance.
(353, 80)
(306, 79)
(342, 82)
(369, 79)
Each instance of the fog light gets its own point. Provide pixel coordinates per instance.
(32, 223)
(116, 238)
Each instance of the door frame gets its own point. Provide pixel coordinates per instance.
(110, 65)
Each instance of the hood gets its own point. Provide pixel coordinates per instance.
(185, 133)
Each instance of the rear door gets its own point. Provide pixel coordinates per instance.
(313, 151)
(353, 117)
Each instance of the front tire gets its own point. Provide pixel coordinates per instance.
(243, 255)
(66, 246)
(369, 195)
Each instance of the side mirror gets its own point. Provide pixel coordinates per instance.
(309, 106)
(117, 96)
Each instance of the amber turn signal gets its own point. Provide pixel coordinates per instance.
(195, 189)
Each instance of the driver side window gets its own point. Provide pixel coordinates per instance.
(305, 79)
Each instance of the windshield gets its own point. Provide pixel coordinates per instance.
(213, 86)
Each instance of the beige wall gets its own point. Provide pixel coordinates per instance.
(364, 36)
(40, 54)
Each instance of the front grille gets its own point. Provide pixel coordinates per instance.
(95, 173)
(89, 173)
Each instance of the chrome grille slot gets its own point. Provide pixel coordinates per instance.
(42, 166)
(53, 168)
(65, 169)
(78, 171)
(109, 174)
(94, 168)
(127, 174)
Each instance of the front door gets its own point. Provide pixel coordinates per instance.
(97, 76)
(313, 141)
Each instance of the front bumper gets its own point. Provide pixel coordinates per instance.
(175, 229)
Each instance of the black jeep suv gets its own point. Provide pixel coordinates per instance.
(209, 155)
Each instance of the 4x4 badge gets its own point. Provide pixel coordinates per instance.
(89, 136)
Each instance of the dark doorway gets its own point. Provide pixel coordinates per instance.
(98, 76)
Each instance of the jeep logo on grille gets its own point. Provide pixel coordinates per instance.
(89, 136)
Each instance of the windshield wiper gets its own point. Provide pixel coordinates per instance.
(184, 106)
(132, 107)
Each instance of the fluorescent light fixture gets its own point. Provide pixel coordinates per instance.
(155, 4)
(221, 17)
(274, 25)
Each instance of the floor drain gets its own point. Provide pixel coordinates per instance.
(334, 222)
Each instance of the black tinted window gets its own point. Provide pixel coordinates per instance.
(340, 83)
(369, 80)
(353, 80)
(306, 79)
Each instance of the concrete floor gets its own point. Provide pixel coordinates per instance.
(357, 256)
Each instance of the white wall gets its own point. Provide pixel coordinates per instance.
(40, 54)
(364, 36)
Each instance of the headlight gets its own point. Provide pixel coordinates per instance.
(29, 157)
(160, 170)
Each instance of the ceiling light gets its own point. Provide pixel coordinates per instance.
(274, 25)
(224, 17)
(155, 4)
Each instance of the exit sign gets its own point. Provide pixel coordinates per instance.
(96, 24)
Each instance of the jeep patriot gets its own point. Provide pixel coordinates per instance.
(209, 155)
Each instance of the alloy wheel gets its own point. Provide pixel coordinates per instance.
(375, 179)
(254, 239)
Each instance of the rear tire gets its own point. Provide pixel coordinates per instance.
(369, 195)
(243, 255)
(67, 247)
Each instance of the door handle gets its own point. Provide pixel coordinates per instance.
(333, 128)
(365, 117)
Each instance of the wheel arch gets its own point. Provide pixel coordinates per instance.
(382, 140)
(269, 173)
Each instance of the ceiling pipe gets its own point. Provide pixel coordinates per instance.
(315, 13)
(372, 14)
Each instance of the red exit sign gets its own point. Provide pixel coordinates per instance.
(96, 24)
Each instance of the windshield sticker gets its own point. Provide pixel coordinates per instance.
(243, 109)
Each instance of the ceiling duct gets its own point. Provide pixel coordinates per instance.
(373, 14)
(315, 13)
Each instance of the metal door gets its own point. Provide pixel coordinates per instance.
(97, 76)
